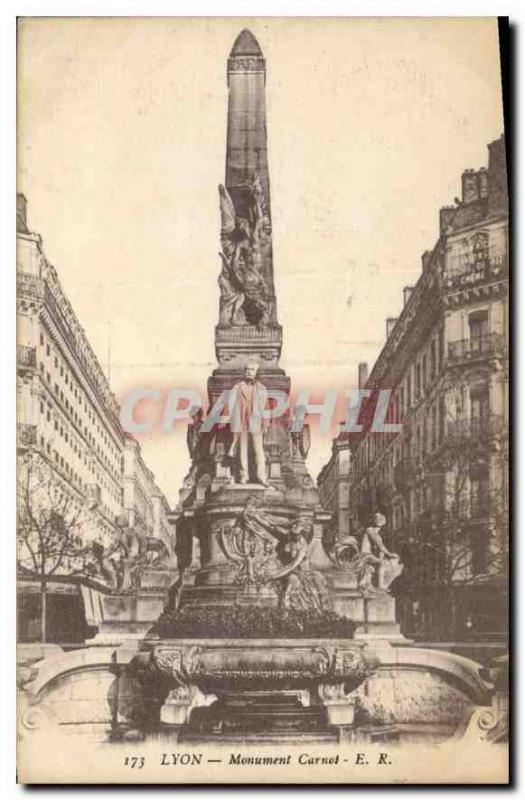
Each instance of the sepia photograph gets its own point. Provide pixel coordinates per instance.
(262, 400)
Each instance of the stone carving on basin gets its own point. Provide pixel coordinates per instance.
(269, 551)
(284, 663)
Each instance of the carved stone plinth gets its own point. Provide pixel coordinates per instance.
(235, 346)
(128, 615)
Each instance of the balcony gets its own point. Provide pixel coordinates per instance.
(25, 358)
(480, 428)
(30, 285)
(488, 346)
(474, 273)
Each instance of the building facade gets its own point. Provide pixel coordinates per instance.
(145, 507)
(334, 484)
(442, 478)
(69, 432)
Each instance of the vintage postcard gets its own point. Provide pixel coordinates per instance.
(262, 401)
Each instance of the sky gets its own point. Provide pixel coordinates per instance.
(121, 146)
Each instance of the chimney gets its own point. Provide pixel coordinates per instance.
(425, 259)
(483, 176)
(446, 217)
(407, 291)
(390, 322)
(497, 177)
(362, 373)
(21, 212)
(469, 186)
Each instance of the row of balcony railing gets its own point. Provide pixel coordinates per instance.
(29, 284)
(34, 286)
(28, 440)
(488, 425)
(475, 272)
(458, 433)
(491, 344)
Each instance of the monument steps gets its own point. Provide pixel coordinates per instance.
(260, 714)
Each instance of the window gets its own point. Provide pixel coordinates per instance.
(479, 495)
(433, 428)
(480, 551)
(479, 408)
(479, 329)
(48, 351)
(41, 339)
(441, 346)
(442, 419)
(433, 360)
(425, 367)
(417, 391)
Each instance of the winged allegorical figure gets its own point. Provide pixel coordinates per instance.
(243, 288)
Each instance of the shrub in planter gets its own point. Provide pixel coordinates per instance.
(240, 622)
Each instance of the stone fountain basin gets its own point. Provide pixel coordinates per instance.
(220, 664)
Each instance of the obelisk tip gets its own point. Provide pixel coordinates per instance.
(246, 45)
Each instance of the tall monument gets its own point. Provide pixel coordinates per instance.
(256, 558)
(278, 629)
(251, 529)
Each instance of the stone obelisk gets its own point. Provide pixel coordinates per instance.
(248, 330)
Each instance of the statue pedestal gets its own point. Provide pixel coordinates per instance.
(374, 614)
(129, 615)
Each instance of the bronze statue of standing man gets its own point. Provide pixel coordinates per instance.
(248, 402)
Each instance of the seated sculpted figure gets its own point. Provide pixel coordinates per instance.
(367, 556)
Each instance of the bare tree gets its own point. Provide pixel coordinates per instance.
(58, 531)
